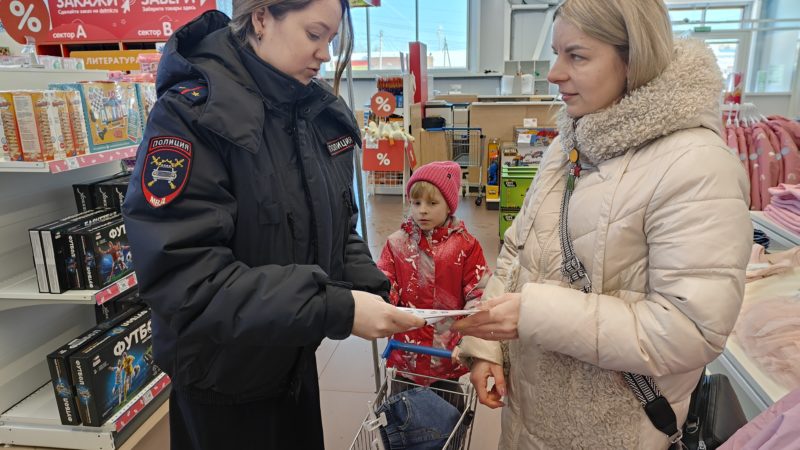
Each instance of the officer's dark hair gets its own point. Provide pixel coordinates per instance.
(242, 25)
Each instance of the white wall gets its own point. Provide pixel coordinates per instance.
(769, 104)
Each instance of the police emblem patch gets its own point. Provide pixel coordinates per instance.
(166, 169)
(341, 144)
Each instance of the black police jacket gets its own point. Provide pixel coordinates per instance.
(241, 217)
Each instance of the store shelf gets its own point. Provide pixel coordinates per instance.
(784, 237)
(23, 290)
(35, 421)
(64, 165)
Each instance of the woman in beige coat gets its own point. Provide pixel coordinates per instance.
(658, 217)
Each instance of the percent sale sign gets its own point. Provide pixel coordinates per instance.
(68, 21)
(383, 104)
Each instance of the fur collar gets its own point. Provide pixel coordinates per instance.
(686, 95)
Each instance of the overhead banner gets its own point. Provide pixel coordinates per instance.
(72, 21)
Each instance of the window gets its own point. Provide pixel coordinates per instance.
(382, 33)
(443, 28)
(775, 60)
(687, 19)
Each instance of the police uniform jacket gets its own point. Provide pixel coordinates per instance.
(241, 218)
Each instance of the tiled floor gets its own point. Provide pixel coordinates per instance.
(346, 370)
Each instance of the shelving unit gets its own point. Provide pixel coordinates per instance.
(35, 421)
(73, 163)
(23, 290)
(32, 324)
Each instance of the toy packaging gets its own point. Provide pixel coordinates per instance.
(51, 275)
(85, 193)
(111, 193)
(146, 94)
(12, 150)
(111, 109)
(39, 127)
(61, 374)
(118, 305)
(105, 253)
(69, 254)
(59, 103)
(39, 260)
(112, 369)
(76, 120)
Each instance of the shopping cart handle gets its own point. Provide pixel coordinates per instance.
(397, 345)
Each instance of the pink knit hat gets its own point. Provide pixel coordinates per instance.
(445, 175)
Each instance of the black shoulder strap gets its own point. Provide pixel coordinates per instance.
(644, 387)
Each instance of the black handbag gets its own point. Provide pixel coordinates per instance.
(714, 414)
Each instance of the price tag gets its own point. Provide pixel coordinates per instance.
(123, 285)
(72, 163)
(530, 122)
(148, 397)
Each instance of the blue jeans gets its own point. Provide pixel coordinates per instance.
(417, 419)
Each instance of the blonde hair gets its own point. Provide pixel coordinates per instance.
(423, 190)
(242, 26)
(639, 29)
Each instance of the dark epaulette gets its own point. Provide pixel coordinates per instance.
(195, 91)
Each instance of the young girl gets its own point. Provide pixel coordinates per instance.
(433, 263)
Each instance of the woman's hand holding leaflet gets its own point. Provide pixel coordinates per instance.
(373, 318)
(497, 321)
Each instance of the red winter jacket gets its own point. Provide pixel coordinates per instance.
(442, 271)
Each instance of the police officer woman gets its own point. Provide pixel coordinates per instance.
(241, 215)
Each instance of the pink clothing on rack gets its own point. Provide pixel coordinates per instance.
(792, 126)
(777, 428)
(784, 218)
(786, 205)
(737, 147)
(786, 191)
(768, 169)
(788, 153)
(745, 138)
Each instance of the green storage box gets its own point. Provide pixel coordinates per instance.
(507, 215)
(514, 184)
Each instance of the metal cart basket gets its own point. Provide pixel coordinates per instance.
(369, 437)
(466, 148)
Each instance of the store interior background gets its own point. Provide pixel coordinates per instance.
(497, 30)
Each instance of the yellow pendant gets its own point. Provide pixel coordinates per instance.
(573, 155)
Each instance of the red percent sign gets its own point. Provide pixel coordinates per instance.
(23, 18)
(383, 104)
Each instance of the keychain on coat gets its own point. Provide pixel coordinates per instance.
(574, 169)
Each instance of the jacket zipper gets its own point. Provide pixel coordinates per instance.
(306, 189)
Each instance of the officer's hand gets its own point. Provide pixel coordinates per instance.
(375, 318)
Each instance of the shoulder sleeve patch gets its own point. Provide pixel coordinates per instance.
(166, 169)
(195, 91)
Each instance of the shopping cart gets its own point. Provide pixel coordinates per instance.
(466, 147)
(369, 437)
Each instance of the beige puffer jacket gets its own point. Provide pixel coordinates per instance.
(662, 226)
